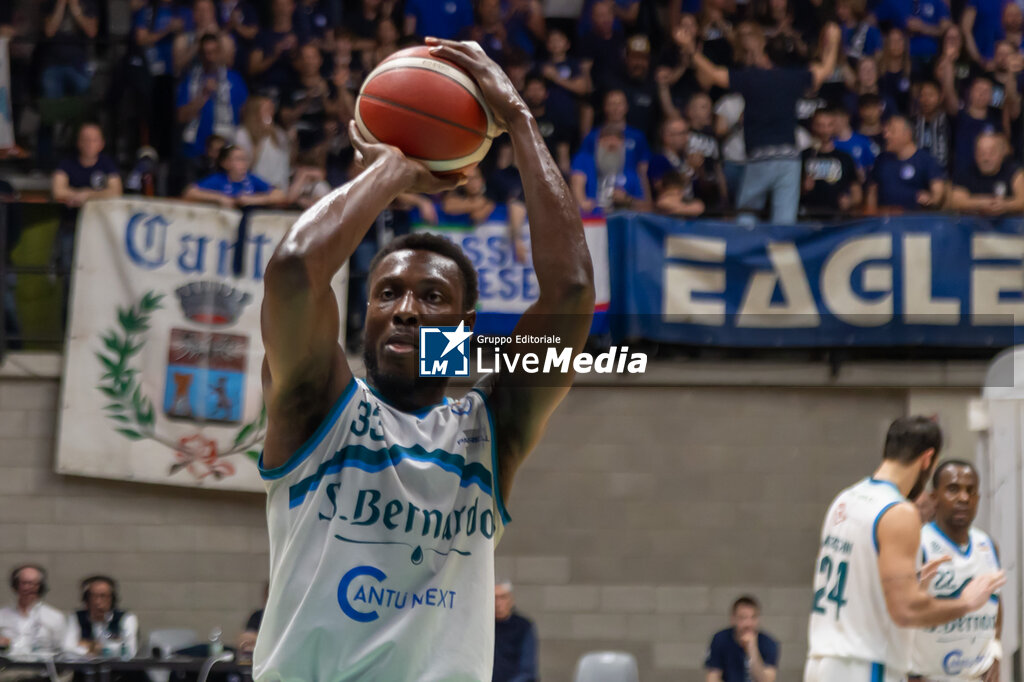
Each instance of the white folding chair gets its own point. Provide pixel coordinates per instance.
(163, 643)
(607, 666)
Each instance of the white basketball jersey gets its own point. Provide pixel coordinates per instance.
(382, 535)
(958, 648)
(849, 618)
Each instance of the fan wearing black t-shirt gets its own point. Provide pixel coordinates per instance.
(771, 92)
(830, 175)
(993, 185)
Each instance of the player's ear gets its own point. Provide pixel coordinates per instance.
(927, 459)
(470, 318)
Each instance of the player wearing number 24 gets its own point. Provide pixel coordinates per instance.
(869, 591)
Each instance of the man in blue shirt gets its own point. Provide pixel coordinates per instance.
(925, 20)
(234, 186)
(616, 109)
(154, 29)
(438, 18)
(604, 178)
(742, 653)
(210, 99)
(515, 640)
(850, 141)
(975, 119)
(982, 25)
(904, 176)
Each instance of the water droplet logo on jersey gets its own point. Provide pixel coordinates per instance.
(364, 592)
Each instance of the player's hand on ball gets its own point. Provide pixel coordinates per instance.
(417, 177)
(499, 93)
(981, 588)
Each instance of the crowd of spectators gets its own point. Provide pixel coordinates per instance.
(681, 107)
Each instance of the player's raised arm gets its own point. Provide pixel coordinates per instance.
(565, 305)
(305, 370)
(907, 600)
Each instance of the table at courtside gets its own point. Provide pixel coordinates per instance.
(101, 669)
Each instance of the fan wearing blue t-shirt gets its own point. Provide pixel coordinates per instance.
(616, 108)
(994, 185)
(976, 118)
(850, 141)
(438, 18)
(904, 176)
(89, 174)
(982, 25)
(742, 653)
(604, 178)
(234, 185)
(210, 98)
(769, 119)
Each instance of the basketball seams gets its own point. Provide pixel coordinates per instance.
(443, 69)
(426, 114)
(450, 72)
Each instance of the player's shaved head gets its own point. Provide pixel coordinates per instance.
(955, 491)
(947, 466)
(424, 241)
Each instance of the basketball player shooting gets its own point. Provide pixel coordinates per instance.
(386, 499)
(868, 589)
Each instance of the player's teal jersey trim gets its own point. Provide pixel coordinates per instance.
(877, 672)
(372, 461)
(878, 481)
(494, 457)
(874, 526)
(956, 547)
(300, 455)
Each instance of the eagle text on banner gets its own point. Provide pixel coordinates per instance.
(162, 365)
(507, 287)
(929, 280)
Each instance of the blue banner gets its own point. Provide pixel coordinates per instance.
(928, 280)
(507, 286)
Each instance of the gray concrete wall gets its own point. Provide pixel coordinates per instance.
(643, 514)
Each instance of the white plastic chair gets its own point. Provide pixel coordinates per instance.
(163, 643)
(607, 666)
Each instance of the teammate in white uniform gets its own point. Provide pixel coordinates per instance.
(386, 499)
(967, 648)
(868, 590)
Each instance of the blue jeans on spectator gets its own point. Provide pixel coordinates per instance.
(733, 171)
(779, 178)
(64, 80)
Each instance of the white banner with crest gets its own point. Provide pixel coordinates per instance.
(162, 365)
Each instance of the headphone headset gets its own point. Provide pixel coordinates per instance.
(87, 585)
(43, 586)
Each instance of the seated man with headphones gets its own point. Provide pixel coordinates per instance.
(31, 625)
(101, 620)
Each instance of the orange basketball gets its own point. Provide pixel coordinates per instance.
(429, 108)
